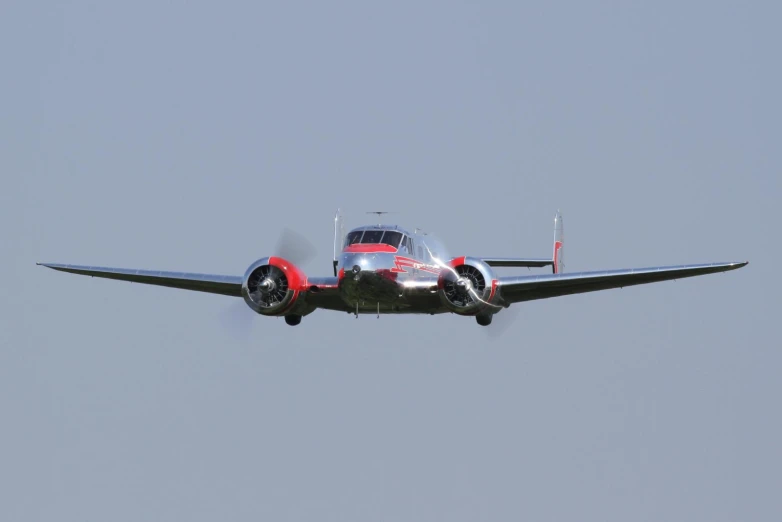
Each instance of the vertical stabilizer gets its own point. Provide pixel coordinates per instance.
(559, 244)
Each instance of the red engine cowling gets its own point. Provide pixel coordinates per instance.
(467, 286)
(273, 285)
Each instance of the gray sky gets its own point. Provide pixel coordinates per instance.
(184, 135)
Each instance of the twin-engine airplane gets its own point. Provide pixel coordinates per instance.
(386, 269)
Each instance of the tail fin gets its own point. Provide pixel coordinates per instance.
(559, 244)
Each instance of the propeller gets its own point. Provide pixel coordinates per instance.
(237, 318)
(268, 286)
(295, 248)
(501, 321)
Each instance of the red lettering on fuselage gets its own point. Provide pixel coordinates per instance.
(401, 262)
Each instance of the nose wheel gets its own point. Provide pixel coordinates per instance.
(292, 320)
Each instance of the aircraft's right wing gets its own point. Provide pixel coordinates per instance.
(528, 288)
(213, 284)
(324, 293)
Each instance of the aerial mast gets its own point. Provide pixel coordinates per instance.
(379, 213)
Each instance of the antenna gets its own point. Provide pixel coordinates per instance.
(339, 235)
(379, 213)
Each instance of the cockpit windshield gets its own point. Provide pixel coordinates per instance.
(391, 238)
(353, 237)
(387, 237)
(372, 236)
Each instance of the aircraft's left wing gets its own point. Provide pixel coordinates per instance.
(213, 284)
(528, 288)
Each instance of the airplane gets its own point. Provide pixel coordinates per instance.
(386, 269)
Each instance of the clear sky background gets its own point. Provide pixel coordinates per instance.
(184, 135)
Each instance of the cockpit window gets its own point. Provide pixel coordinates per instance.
(372, 236)
(392, 238)
(388, 237)
(405, 246)
(353, 237)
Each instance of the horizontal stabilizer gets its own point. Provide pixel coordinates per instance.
(516, 262)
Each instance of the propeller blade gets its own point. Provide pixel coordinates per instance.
(502, 321)
(295, 248)
(237, 319)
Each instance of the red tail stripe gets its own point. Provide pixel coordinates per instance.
(557, 246)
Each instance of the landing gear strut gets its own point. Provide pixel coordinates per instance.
(292, 320)
(483, 320)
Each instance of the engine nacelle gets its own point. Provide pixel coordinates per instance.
(467, 286)
(272, 286)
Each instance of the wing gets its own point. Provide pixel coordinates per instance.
(528, 288)
(323, 292)
(213, 284)
(514, 262)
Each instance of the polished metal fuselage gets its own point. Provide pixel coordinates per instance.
(381, 284)
(383, 279)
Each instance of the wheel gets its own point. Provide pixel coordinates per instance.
(483, 320)
(292, 320)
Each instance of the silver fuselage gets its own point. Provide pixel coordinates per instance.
(395, 278)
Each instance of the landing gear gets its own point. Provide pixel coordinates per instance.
(292, 320)
(483, 320)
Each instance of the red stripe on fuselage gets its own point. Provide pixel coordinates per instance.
(369, 248)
